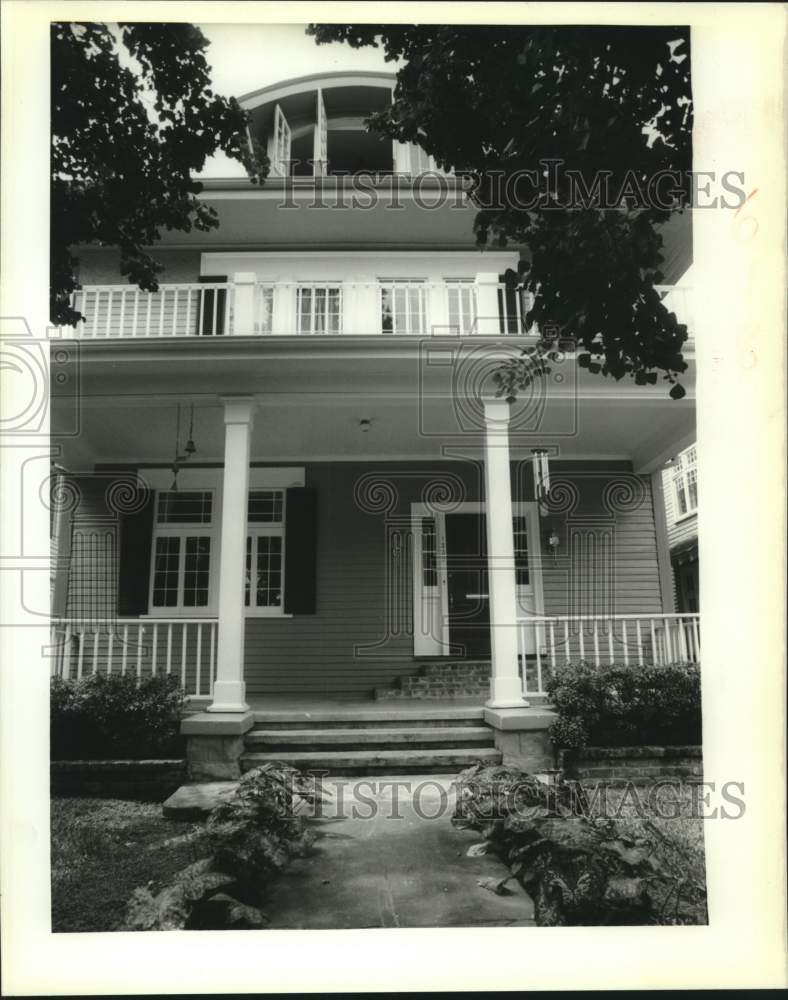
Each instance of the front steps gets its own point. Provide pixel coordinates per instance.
(368, 744)
(461, 679)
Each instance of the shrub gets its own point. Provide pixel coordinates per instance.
(102, 717)
(580, 870)
(619, 705)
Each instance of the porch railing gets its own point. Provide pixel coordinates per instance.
(547, 641)
(184, 647)
(328, 308)
(390, 307)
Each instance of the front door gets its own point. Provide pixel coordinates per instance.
(467, 585)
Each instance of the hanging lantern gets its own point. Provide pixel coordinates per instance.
(541, 473)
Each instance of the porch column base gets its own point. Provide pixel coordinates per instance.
(228, 696)
(506, 692)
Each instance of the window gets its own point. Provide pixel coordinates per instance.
(185, 541)
(265, 550)
(319, 309)
(520, 528)
(403, 307)
(280, 151)
(182, 542)
(685, 482)
(429, 555)
(462, 305)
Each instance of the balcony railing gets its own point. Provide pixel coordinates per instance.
(547, 641)
(388, 308)
(185, 647)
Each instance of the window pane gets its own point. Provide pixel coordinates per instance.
(248, 577)
(165, 574)
(268, 572)
(265, 506)
(319, 309)
(681, 500)
(196, 571)
(462, 306)
(184, 507)
(429, 565)
(520, 529)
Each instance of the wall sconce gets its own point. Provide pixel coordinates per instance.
(541, 473)
(554, 541)
(364, 425)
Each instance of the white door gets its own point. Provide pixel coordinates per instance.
(430, 585)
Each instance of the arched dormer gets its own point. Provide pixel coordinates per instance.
(315, 125)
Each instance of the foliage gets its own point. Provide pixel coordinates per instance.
(606, 114)
(579, 869)
(616, 705)
(112, 717)
(133, 116)
(252, 836)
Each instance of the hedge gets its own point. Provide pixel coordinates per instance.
(115, 717)
(616, 705)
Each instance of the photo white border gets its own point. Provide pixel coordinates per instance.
(738, 81)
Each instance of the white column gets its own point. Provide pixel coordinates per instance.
(487, 313)
(243, 304)
(229, 690)
(506, 689)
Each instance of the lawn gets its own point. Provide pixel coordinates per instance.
(102, 849)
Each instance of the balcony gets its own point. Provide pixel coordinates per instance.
(278, 308)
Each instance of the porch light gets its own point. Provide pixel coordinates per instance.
(541, 473)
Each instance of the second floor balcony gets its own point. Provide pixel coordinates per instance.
(249, 307)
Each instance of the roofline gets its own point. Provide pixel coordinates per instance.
(253, 98)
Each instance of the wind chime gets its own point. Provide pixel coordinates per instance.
(189, 449)
(541, 469)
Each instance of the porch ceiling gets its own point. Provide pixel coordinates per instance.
(324, 426)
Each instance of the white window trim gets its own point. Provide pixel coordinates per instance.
(274, 478)
(183, 530)
(679, 483)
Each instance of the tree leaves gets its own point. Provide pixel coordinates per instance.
(133, 117)
(611, 107)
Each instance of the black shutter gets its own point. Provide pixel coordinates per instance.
(212, 299)
(300, 551)
(136, 533)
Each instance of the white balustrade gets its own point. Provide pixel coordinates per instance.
(142, 647)
(390, 307)
(632, 640)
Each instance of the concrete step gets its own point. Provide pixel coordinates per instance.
(361, 762)
(422, 713)
(412, 737)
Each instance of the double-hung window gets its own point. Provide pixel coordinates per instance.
(264, 591)
(403, 306)
(685, 482)
(182, 551)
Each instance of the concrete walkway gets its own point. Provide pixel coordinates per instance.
(381, 861)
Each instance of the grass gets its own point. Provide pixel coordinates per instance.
(102, 849)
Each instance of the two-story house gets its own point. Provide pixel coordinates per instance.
(286, 476)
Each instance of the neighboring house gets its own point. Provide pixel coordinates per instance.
(680, 492)
(351, 498)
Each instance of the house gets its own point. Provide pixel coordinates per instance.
(286, 476)
(680, 492)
